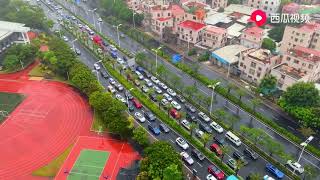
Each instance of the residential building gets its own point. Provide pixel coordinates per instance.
(11, 32)
(219, 3)
(190, 32)
(252, 37)
(214, 37)
(306, 35)
(135, 5)
(291, 8)
(269, 6)
(299, 64)
(254, 64)
(195, 11)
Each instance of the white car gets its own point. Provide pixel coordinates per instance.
(157, 89)
(211, 177)
(99, 20)
(164, 102)
(167, 96)
(182, 143)
(111, 89)
(120, 60)
(204, 117)
(185, 124)
(171, 92)
(148, 82)
(112, 81)
(163, 86)
(96, 67)
(65, 38)
(266, 177)
(139, 117)
(145, 89)
(295, 166)
(216, 127)
(187, 158)
(121, 98)
(199, 133)
(112, 48)
(176, 105)
(155, 80)
(140, 76)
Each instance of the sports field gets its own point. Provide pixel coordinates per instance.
(89, 165)
(8, 102)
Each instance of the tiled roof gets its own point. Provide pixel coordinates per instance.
(307, 53)
(254, 31)
(192, 25)
(176, 10)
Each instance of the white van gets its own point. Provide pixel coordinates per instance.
(233, 138)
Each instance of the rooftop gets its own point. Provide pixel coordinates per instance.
(216, 18)
(229, 53)
(306, 53)
(235, 30)
(176, 10)
(310, 27)
(6, 28)
(195, 4)
(261, 55)
(254, 31)
(192, 25)
(246, 10)
(214, 29)
(290, 71)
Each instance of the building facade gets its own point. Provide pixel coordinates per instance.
(190, 32)
(269, 6)
(214, 37)
(254, 64)
(219, 3)
(252, 37)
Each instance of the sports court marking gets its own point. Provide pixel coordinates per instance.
(89, 165)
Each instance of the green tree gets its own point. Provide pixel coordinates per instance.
(226, 149)
(240, 93)
(239, 165)
(231, 86)
(193, 126)
(159, 156)
(220, 113)
(141, 136)
(267, 85)
(309, 172)
(255, 176)
(276, 33)
(273, 147)
(190, 91)
(172, 173)
(99, 100)
(255, 103)
(159, 98)
(306, 131)
(301, 94)
(143, 175)
(269, 44)
(11, 62)
(205, 138)
(233, 120)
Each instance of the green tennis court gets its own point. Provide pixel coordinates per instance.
(89, 165)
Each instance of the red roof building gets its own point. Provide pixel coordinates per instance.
(252, 37)
(190, 31)
(195, 26)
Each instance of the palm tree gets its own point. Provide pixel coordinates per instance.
(140, 58)
(239, 165)
(206, 137)
(240, 93)
(193, 126)
(306, 131)
(233, 119)
(159, 98)
(226, 149)
(309, 172)
(231, 86)
(255, 103)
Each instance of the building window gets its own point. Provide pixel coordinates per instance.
(288, 58)
(259, 68)
(282, 76)
(251, 71)
(194, 18)
(241, 64)
(304, 64)
(310, 66)
(296, 61)
(258, 75)
(253, 64)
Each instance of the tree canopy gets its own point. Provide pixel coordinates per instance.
(268, 85)
(269, 44)
(158, 157)
(277, 33)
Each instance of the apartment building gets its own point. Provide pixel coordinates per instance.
(299, 64)
(219, 3)
(135, 5)
(195, 11)
(306, 35)
(214, 37)
(252, 37)
(269, 6)
(254, 64)
(190, 32)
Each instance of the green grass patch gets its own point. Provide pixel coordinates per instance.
(51, 169)
(8, 102)
(37, 71)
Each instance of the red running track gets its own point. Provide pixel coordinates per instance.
(50, 118)
(121, 155)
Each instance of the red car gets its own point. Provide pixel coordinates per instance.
(212, 169)
(136, 103)
(215, 148)
(174, 113)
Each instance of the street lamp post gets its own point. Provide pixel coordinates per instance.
(94, 22)
(134, 23)
(213, 88)
(118, 33)
(156, 50)
(304, 144)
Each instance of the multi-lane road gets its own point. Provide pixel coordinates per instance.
(134, 47)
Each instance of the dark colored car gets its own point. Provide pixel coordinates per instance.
(239, 156)
(205, 127)
(150, 116)
(190, 108)
(220, 141)
(273, 170)
(140, 69)
(153, 97)
(216, 172)
(250, 153)
(196, 153)
(191, 117)
(104, 74)
(154, 129)
(164, 128)
(131, 107)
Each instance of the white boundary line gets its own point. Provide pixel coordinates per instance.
(114, 167)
